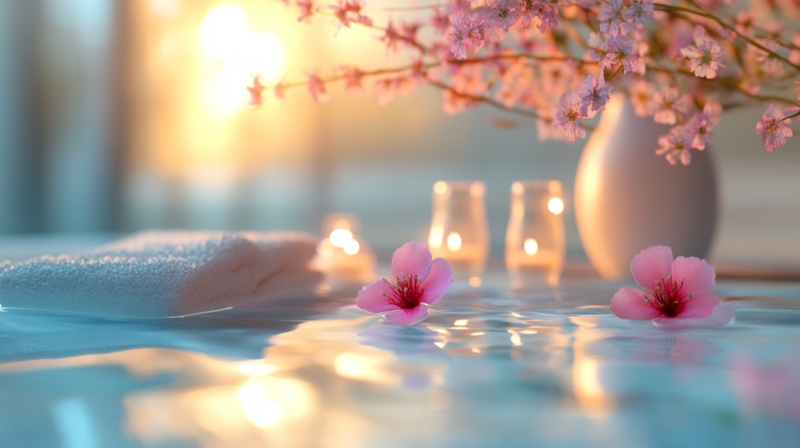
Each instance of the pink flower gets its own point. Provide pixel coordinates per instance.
(769, 64)
(544, 10)
(705, 56)
(699, 127)
(620, 51)
(306, 10)
(639, 13)
(348, 11)
(669, 105)
(419, 281)
(772, 128)
(594, 92)
(316, 87)
(676, 145)
(353, 77)
(641, 93)
(391, 37)
(459, 35)
(674, 290)
(567, 116)
(611, 18)
(256, 91)
(505, 13)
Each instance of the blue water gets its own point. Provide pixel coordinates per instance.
(488, 368)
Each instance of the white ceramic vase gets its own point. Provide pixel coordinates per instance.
(627, 198)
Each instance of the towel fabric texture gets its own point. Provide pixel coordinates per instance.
(166, 273)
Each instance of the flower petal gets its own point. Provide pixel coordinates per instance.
(629, 303)
(413, 258)
(697, 275)
(438, 281)
(722, 315)
(651, 265)
(408, 317)
(371, 297)
(699, 306)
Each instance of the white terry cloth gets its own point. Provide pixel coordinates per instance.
(165, 273)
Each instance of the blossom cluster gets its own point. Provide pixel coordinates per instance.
(557, 62)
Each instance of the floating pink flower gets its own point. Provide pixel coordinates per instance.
(676, 145)
(594, 93)
(353, 80)
(705, 56)
(419, 281)
(699, 127)
(772, 128)
(316, 87)
(567, 116)
(676, 292)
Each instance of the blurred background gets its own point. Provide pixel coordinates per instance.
(118, 116)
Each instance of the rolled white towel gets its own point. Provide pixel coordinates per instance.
(165, 273)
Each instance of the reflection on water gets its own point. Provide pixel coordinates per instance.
(554, 370)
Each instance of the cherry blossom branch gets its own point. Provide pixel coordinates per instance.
(671, 9)
(490, 102)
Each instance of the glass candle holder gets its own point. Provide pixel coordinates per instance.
(343, 255)
(459, 229)
(535, 242)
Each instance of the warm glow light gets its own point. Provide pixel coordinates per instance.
(475, 282)
(461, 323)
(515, 338)
(435, 240)
(260, 408)
(440, 187)
(454, 242)
(326, 248)
(477, 333)
(517, 188)
(440, 344)
(264, 54)
(340, 237)
(351, 247)
(476, 350)
(476, 189)
(531, 246)
(223, 31)
(555, 205)
(255, 369)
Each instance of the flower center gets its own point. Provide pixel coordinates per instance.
(668, 298)
(406, 292)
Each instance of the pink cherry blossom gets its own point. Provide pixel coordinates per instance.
(256, 91)
(594, 93)
(418, 282)
(705, 56)
(459, 35)
(611, 18)
(316, 87)
(769, 64)
(306, 10)
(699, 127)
(544, 10)
(639, 13)
(670, 105)
(773, 129)
(676, 145)
(620, 51)
(353, 81)
(672, 289)
(506, 13)
(641, 94)
(567, 116)
(349, 11)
